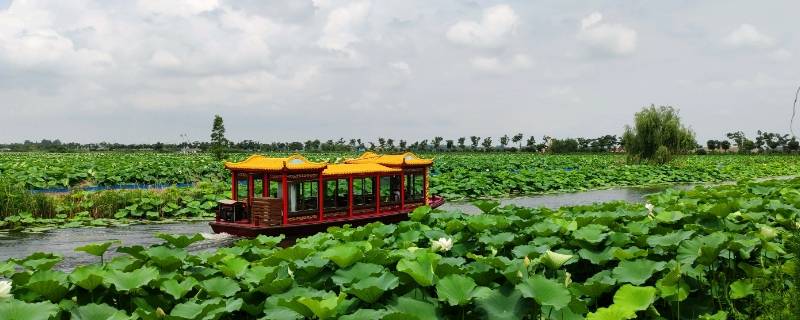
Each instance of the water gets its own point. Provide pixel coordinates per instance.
(558, 200)
(64, 241)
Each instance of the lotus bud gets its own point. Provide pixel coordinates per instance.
(160, 313)
(5, 290)
(568, 279)
(526, 261)
(555, 260)
(443, 244)
(768, 233)
(291, 273)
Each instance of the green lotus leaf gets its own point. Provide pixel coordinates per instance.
(94, 311)
(365, 314)
(422, 269)
(611, 313)
(344, 255)
(50, 284)
(39, 261)
(455, 289)
(165, 257)
(19, 310)
(234, 266)
(97, 249)
(593, 233)
(669, 216)
(405, 308)
(126, 281)
(188, 310)
(669, 240)
(486, 206)
(372, 288)
(178, 289)
(88, 277)
(180, 241)
(354, 273)
(741, 289)
(497, 240)
(720, 315)
(220, 287)
(503, 303)
(281, 313)
(554, 260)
(545, 291)
(636, 271)
(633, 298)
(323, 307)
(598, 257)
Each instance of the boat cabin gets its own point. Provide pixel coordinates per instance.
(273, 195)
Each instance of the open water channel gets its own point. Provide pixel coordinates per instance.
(64, 241)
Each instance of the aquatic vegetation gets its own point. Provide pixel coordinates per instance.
(706, 252)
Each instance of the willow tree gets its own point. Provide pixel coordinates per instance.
(656, 135)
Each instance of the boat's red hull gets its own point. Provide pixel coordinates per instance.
(293, 231)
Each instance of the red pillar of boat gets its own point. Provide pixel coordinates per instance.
(320, 195)
(350, 196)
(425, 187)
(250, 190)
(265, 186)
(285, 194)
(402, 190)
(378, 194)
(234, 186)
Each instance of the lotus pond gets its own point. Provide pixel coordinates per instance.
(713, 253)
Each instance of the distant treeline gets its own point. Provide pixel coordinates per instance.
(735, 142)
(518, 142)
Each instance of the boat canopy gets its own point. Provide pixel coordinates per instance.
(291, 163)
(391, 160)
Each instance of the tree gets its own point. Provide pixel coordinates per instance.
(563, 145)
(487, 143)
(518, 140)
(218, 141)
(725, 145)
(449, 143)
(437, 142)
(390, 144)
(461, 143)
(381, 144)
(793, 144)
(504, 141)
(402, 145)
(712, 144)
(475, 141)
(530, 144)
(657, 134)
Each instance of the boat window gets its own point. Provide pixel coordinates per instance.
(241, 189)
(364, 191)
(390, 190)
(336, 194)
(414, 187)
(303, 196)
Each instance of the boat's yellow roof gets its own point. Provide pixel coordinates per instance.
(300, 163)
(259, 162)
(361, 168)
(407, 158)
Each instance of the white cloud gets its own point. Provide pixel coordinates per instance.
(341, 28)
(165, 60)
(497, 24)
(498, 65)
(177, 7)
(401, 66)
(606, 38)
(780, 55)
(747, 35)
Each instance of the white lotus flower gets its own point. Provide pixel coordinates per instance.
(5, 290)
(443, 244)
(650, 208)
(555, 260)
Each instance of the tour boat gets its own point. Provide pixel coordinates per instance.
(296, 197)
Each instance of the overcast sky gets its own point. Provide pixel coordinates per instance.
(151, 70)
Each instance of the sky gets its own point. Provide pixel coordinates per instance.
(152, 70)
